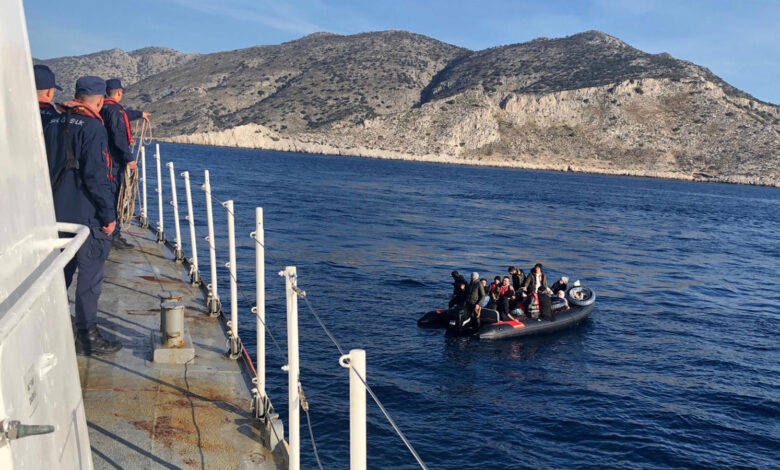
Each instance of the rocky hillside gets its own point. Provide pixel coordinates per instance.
(588, 102)
(129, 67)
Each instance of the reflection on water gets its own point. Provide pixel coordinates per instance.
(678, 367)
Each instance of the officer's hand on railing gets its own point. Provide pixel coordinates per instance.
(109, 229)
(145, 115)
(132, 165)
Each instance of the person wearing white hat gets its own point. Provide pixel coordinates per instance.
(560, 285)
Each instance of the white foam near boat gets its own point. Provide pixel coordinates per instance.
(39, 380)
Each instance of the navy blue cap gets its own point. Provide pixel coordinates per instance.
(90, 85)
(113, 84)
(44, 78)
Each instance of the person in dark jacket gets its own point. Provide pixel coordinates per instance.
(459, 297)
(120, 140)
(80, 171)
(518, 277)
(457, 280)
(560, 285)
(475, 297)
(46, 85)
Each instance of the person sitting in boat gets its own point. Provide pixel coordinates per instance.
(536, 283)
(562, 295)
(518, 277)
(495, 285)
(475, 297)
(459, 297)
(506, 296)
(560, 285)
(492, 300)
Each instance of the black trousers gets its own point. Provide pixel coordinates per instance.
(545, 307)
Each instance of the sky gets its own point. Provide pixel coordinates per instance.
(738, 40)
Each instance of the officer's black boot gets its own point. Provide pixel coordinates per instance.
(120, 242)
(90, 341)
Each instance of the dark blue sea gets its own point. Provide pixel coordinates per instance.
(678, 367)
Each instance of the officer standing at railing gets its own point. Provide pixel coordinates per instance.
(120, 140)
(45, 84)
(80, 171)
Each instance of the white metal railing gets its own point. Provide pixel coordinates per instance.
(213, 301)
(194, 273)
(18, 302)
(293, 373)
(160, 227)
(259, 310)
(235, 342)
(177, 253)
(144, 211)
(354, 361)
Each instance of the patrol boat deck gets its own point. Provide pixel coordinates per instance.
(146, 415)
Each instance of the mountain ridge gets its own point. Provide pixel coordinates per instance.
(586, 102)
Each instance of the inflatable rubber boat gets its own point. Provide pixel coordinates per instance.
(581, 301)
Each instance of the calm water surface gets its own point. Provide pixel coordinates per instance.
(679, 366)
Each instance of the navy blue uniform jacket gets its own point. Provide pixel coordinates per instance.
(84, 195)
(117, 127)
(48, 112)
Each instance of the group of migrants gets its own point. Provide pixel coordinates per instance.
(88, 146)
(515, 296)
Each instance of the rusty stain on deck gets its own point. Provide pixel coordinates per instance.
(142, 415)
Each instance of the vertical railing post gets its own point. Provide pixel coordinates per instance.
(235, 341)
(294, 438)
(177, 253)
(355, 361)
(259, 236)
(160, 229)
(213, 299)
(144, 212)
(194, 272)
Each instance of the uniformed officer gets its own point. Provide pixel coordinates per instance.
(44, 82)
(120, 139)
(80, 170)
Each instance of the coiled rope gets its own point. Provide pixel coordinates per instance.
(128, 192)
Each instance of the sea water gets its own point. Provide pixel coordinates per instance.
(678, 367)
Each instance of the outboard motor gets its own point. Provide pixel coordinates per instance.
(459, 321)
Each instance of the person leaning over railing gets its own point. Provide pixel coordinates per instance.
(80, 171)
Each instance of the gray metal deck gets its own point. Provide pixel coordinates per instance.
(143, 415)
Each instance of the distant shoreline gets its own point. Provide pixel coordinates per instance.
(319, 149)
